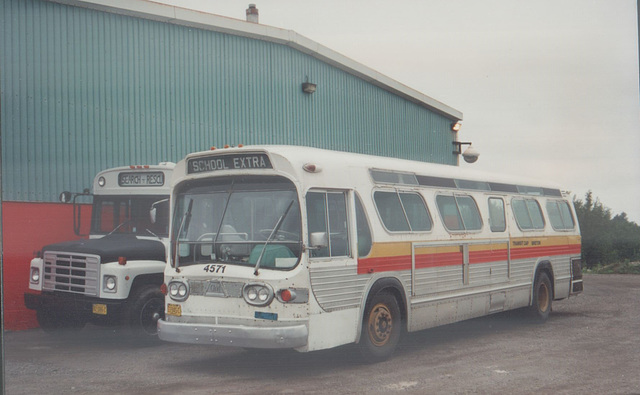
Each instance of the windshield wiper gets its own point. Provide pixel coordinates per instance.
(224, 212)
(273, 233)
(185, 220)
(119, 226)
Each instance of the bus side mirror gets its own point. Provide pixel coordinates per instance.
(153, 211)
(319, 240)
(152, 214)
(65, 197)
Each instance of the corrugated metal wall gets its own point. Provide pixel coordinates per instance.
(84, 90)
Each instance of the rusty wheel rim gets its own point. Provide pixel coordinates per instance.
(380, 325)
(543, 297)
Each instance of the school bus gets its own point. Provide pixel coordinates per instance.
(304, 248)
(113, 276)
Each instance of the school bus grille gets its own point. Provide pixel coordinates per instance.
(73, 273)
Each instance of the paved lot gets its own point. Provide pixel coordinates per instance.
(591, 344)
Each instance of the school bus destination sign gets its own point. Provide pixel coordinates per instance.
(228, 162)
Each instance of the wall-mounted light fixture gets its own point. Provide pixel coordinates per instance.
(470, 155)
(308, 87)
(456, 126)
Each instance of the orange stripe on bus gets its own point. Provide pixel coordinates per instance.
(441, 256)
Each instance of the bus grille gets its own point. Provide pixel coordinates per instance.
(73, 273)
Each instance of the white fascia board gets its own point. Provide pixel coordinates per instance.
(202, 20)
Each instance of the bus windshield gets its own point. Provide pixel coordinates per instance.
(130, 214)
(237, 220)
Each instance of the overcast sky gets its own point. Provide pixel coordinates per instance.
(548, 89)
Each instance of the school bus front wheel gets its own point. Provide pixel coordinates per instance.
(381, 328)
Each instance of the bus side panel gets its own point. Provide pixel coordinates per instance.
(328, 330)
(430, 314)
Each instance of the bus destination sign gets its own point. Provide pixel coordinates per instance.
(140, 179)
(228, 162)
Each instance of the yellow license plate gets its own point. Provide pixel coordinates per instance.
(100, 309)
(174, 309)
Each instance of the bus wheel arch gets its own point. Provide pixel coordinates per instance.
(544, 266)
(383, 320)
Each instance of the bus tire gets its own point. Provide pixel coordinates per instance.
(542, 297)
(381, 328)
(145, 308)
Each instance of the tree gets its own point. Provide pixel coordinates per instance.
(605, 239)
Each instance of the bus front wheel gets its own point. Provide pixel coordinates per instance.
(381, 328)
(147, 307)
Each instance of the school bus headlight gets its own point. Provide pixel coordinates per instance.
(178, 291)
(109, 284)
(35, 275)
(257, 294)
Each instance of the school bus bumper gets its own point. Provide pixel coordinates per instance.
(293, 336)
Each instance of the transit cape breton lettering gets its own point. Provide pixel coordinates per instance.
(231, 162)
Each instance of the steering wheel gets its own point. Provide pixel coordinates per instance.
(203, 236)
(280, 234)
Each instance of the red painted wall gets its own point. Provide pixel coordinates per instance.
(26, 228)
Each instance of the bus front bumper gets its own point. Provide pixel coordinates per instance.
(294, 336)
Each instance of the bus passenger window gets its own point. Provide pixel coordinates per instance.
(497, 219)
(528, 214)
(391, 212)
(449, 212)
(417, 212)
(469, 212)
(327, 213)
(560, 215)
(459, 212)
(402, 211)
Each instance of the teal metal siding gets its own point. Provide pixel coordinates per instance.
(84, 90)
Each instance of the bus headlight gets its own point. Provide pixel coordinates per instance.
(257, 294)
(178, 291)
(110, 284)
(35, 275)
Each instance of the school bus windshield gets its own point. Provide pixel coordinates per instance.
(130, 214)
(233, 219)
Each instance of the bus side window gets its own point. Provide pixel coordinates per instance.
(327, 213)
(497, 219)
(459, 212)
(449, 212)
(559, 215)
(528, 213)
(391, 212)
(364, 232)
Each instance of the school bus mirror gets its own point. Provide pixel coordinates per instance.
(65, 197)
(153, 214)
(319, 240)
(153, 211)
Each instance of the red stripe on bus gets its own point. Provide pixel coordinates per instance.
(403, 262)
(533, 252)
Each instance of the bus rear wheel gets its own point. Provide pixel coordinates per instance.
(542, 297)
(381, 328)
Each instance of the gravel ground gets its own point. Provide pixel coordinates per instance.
(590, 344)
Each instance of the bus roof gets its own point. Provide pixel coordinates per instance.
(427, 174)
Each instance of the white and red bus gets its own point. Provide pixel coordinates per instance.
(303, 248)
(113, 276)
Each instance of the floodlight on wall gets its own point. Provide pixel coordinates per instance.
(470, 155)
(308, 87)
(455, 127)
